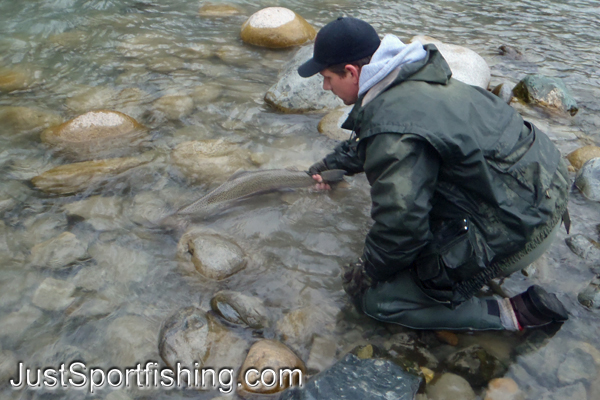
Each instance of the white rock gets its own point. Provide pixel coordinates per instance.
(466, 65)
(450, 387)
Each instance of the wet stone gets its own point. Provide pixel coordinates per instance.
(573, 392)
(546, 91)
(95, 134)
(331, 124)
(322, 354)
(54, 295)
(582, 155)
(273, 355)
(354, 379)
(25, 119)
(450, 387)
(213, 256)
(588, 179)
(123, 264)
(15, 323)
(184, 337)
(466, 65)
(584, 247)
(476, 365)
(8, 365)
(503, 389)
(210, 10)
(590, 296)
(130, 340)
(174, 106)
(103, 213)
(206, 94)
(577, 366)
(58, 252)
(294, 94)
(91, 98)
(277, 27)
(240, 309)
(147, 209)
(13, 79)
(504, 92)
(298, 326)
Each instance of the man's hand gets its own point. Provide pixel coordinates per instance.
(355, 279)
(320, 184)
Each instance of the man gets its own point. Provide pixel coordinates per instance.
(463, 189)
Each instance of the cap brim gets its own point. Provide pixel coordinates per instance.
(310, 68)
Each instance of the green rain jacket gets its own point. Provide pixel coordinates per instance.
(461, 186)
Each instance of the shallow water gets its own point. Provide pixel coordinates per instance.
(81, 54)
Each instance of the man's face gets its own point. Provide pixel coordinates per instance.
(346, 88)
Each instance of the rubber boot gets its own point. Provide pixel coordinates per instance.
(536, 307)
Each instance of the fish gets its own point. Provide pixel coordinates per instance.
(245, 184)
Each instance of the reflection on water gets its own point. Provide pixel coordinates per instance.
(189, 78)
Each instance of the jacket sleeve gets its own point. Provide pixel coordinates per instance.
(345, 156)
(402, 171)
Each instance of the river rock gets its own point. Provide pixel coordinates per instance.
(206, 93)
(54, 295)
(17, 322)
(205, 161)
(88, 98)
(95, 134)
(476, 365)
(12, 79)
(450, 387)
(503, 389)
(504, 92)
(356, 379)
(165, 64)
(213, 256)
(131, 339)
(123, 264)
(572, 392)
(588, 179)
(298, 326)
(331, 124)
(25, 119)
(240, 309)
(466, 65)
(103, 213)
(88, 175)
(210, 10)
(8, 366)
(277, 27)
(174, 106)
(294, 94)
(269, 354)
(547, 92)
(584, 247)
(58, 252)
(577, 366)
(147, 209)
(582, 155)
(590, 297)
(322, 354)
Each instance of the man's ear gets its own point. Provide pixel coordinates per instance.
(353, 70)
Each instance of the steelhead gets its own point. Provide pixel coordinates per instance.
(245, 184)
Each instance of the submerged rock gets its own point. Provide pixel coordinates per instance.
(356, 379)
(466, 65)
(25, 119)
(588, 179)
(240, 309)
(212, 255)
(58, 252)
(584, 247)
(450, 387)
(8, 366)
(322, 354)
(174, 106)
(210, 10)
(103, 213)
(331, 124)
(12, 79)
(54, 294)
(130, 340)
(17, 322)
(209, 160)
(298, 326)
(546, 91)
(294, 94)
(476, 365)
(88, 98)
(270, 354)
(277, 27)
(95, 134)
(503, 389)
(577, 366)
(88, 175)
(582, 155)
(590, 297)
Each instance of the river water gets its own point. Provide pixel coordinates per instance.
(79, 55)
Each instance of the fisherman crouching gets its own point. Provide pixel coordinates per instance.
(463, 190)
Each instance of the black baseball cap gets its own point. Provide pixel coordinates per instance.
(344, 40)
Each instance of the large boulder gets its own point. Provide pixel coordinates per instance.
(267, 355)
(205, 161)
(277, 27)
(95, 134)
(588, 179)
(212, 255)
(546, 91)
(466, 65)
(88, 175)
(356, 379)
(294, 94)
